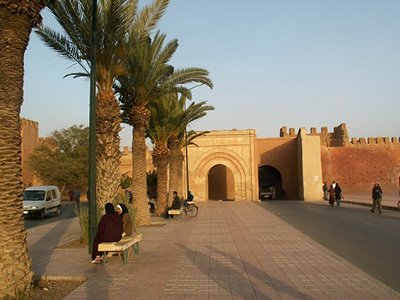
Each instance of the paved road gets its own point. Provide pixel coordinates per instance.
(369, 241)
(67, 211)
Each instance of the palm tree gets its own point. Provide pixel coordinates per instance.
(148, 77)
(167, 117)
(180, 137)
(159, 131)
(17, 18)
(118, 25)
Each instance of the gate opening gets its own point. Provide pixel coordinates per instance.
(221, 183)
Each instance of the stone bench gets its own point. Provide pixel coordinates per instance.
(122, 247)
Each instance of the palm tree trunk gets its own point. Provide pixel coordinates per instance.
(160, 160)
(175, 171)
(16, 22)
(139, 189)
(108, 126)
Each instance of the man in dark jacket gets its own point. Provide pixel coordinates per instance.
(338, 194)
(109, 230)
(377, 198)
(176, 203)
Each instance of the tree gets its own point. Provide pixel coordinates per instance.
(148, 77)
(63, 159)
(119, 24)
(151, 182)
(17, 18)
(159, 131)
(167, 121)
(126, 181)
(180, 137)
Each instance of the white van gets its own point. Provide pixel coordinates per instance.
(41, 200)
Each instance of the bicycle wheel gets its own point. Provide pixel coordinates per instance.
(398, 204)
(192, 210)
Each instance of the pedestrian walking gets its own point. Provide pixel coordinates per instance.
(377, 198)
(338, 194)
(325, 189)
(77, 196)
(129, 196)
(332, 195)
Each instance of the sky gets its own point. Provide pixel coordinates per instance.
(273, 63)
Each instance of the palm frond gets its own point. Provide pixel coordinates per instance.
(61, 45)
(77, 75)
(149, 18)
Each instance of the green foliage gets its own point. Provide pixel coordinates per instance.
(119, 24)
(126, 182)
(149, 76)
(151, 179)
(62, 159)
(82, 212)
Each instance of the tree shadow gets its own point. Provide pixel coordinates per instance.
(236, 276)
(43, 242)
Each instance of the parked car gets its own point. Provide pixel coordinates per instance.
(267, 192)
(42, 200)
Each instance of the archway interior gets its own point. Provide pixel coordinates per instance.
(269, 176)
(221, 183)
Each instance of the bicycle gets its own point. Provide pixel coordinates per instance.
(398, 204)
(189, 208)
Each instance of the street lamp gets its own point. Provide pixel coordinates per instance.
(92, 132)
(186, 149)
(187, 162)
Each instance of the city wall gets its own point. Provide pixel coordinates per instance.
(356, 169)
(30, 140)
(357, 163)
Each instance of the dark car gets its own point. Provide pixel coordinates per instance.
(266, 193)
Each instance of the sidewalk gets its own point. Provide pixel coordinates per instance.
(231, 250)
(389, 200)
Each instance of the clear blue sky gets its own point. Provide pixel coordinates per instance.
(274, 63)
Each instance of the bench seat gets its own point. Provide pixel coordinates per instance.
(174, 212)
(122, 247)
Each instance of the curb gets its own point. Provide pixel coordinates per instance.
(368, 204)
(62, 277)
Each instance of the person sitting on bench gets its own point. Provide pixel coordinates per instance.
(190, 198)
(122, 210)
(109, 230)
(176, 204)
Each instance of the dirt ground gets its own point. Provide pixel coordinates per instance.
(51, 289)
(55, 289)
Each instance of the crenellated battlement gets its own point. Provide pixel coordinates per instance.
(375, 141)
(29, 123)
(340, 137)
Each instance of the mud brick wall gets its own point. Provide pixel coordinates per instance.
(357, 168)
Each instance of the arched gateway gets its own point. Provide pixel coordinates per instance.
(231, 165)
(222, 166)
